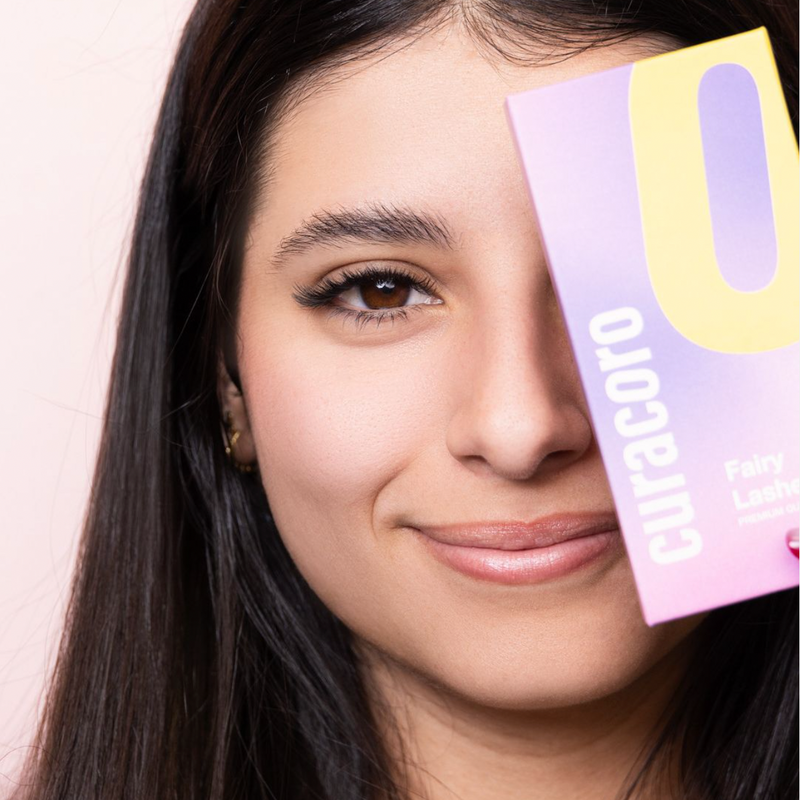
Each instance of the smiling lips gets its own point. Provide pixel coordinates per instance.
(523, 552)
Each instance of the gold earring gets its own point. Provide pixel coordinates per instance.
(233, 437)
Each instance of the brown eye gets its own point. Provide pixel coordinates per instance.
(373, 294)
(383, 293)
(381, 290)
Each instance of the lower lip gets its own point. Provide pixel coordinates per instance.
(524, 566)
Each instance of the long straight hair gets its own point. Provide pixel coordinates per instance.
(196, 662)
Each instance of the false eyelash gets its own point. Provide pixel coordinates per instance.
(328, 289)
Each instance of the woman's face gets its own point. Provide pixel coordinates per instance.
(467, 409)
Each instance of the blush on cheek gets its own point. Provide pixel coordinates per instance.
(331, 428)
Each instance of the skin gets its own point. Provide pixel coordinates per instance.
(470, 409)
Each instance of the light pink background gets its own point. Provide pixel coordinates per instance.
(80, 83)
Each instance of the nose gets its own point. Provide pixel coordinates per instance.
(521, 411)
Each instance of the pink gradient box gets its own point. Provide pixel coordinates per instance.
(666, 194)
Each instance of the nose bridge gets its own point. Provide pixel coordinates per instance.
(517, 402)
(511, 374)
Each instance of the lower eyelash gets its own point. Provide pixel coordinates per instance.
(363, 318)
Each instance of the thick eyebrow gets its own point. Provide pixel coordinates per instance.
(375, 223)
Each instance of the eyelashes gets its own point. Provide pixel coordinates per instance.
(381, 283)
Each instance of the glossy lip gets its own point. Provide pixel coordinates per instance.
(518, 552)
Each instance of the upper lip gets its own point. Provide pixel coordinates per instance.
(522, 535)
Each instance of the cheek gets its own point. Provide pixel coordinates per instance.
(332, 426)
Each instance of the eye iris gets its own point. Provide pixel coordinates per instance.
(380, 296)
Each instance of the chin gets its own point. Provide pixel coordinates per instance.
(532, 690)
(557, 673)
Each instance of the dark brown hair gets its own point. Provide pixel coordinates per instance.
(196, 662)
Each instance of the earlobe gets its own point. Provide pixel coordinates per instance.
(237, 436)
(231, 450)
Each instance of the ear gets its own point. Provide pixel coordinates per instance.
(231, 401)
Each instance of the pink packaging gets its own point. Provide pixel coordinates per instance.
(667, 197)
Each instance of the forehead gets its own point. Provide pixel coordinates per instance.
(422, 122)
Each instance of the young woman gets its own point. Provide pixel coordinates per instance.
(338, 344)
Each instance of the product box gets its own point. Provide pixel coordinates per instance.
(666, 193)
